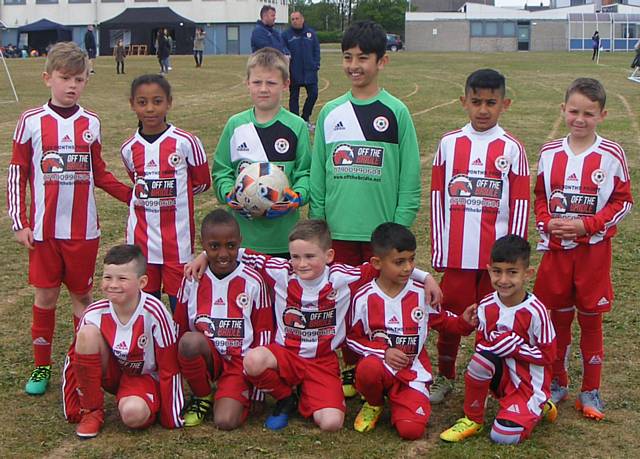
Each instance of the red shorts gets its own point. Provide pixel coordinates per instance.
(124, 385)
(352, 253)
(405, 402)
(464, 287)
(580, 277)
(514, 407)
(318, 378)
(56, 261)
(167, 277)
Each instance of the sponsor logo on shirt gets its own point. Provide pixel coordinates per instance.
(358, 161)
(561, 203)
(68, 167)
(242, 147)
(479, 192)
(409, 344)
(309, 325)
(155, 192)
(204, 324)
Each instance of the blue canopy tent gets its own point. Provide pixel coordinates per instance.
(43, 33)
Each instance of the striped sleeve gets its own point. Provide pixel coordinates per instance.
(437, 209)
(519, 194)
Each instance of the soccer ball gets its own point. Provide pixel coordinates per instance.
(258, 186)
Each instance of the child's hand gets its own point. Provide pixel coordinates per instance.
(196, 267)
(432, 291)
(235, 205)
(470, 315)
(396, 359)
(290, 202)
(25, 237)
(567, 229)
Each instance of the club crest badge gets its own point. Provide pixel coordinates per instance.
(243, 300)
(417, 314)
(598, 176)
(143, 341)
(174, 159)
(281, 145)
(87, 136)
(502, 163)
(381, 124)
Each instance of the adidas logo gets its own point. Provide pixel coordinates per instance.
(394, 321)
(475, 404)
(572, 178)
(243, 147)
(603, 301)
(339, 126)
(66, 138)
(150, 396)
(219, 302)
(420, 411)
(152, 163)
(40, 341)
(477, 162)
(122, 346)
(595, 360)
(514, 409)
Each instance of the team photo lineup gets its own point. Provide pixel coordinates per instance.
(300, 287)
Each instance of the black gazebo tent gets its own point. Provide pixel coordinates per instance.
(143, 24)
(43, 33)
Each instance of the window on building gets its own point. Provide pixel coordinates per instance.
(508, 29)
(490, 29)
(476, 29)
(46, 2)
(15, 2)
(79, 1)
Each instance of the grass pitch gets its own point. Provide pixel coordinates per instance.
(430, 85)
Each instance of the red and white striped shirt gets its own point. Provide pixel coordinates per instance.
(166, 175)
(479, 193)
(312, 318)
(234, 312)
(594, 186)
(524, 337)
(401, 322)
(61, 160)
(145, 345)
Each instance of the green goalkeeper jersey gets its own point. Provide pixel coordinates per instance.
(283, 141)
(365, 167)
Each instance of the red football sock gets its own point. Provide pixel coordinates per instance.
(271, 381)
(88, 369)
(562, 320)
(448, 345)
(348, 356)
(369, 380)
(475, 397)
(592, 349)
(42, 327)
(195, 372)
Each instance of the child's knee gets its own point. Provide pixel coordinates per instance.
(188, 345)
(254, 362)
(227, 421)
(88, 339)
(134, 412)
(368, 370)
(410, 430)
(329, 419)
(506, 432)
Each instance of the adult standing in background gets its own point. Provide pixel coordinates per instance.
(169, 39)
(304, 47)
(162, 51)
(595, 42)
(90, 47)
(198, 46)
(264, 35)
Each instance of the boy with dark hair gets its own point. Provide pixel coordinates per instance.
(365, 168)
(220, 317)
(515, 346)
(127, 345)
(57, 151)
(265, 133)
(479, 193)
(582, 192)
(391, 318)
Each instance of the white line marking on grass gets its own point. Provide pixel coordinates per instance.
(634, 120)
(326, 85)
(414, 92)
(556, 125)
(427, 110)
(460, 85)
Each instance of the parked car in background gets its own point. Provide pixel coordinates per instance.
(394, 43)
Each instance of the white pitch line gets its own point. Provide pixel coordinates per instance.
(556, 126)
(326, 85)
(634, 121)
(414, 92)
(427, 110)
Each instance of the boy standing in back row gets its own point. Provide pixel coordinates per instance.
(583, 191)
(365, 168)
(57, 151)
(479, 193)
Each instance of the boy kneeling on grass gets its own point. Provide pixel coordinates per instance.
(126, 344)
(515, 346)
(391, 321)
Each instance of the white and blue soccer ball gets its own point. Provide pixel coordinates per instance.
(259, 185)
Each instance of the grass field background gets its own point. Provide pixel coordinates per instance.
(430, 85)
